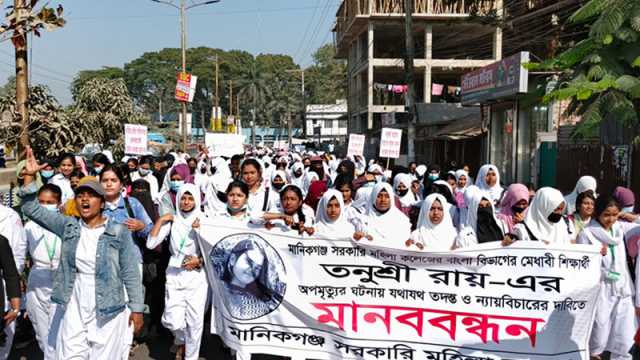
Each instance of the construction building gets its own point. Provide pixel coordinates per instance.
(451, 39)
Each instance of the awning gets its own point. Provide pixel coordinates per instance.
(460, 129)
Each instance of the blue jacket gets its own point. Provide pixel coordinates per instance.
(120, 214)
(116, 265)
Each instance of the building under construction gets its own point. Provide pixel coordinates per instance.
(451, 38)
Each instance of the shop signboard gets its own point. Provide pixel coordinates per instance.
(502, 79)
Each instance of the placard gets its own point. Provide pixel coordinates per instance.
(356, 145)
(225, 144)
(135, 139)
(390, 141)
(186, 87)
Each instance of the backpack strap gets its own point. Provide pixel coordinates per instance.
(129, 209)
(266, 199)
(531, 236)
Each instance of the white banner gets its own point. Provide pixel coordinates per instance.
(314, 298)
(390, 141)
(356, 145)
(135, 139)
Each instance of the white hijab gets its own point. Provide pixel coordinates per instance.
(183, 222)
(409, 198)
(298, 181)
(340, 228)
(460, 173)
(435, 237)
(495, 191)
(544, 203)
(391, 229)
(585, 183)
(282, 176)
(472, 197)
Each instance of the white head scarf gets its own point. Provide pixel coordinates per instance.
(585, 183)
(391, 229)
(472, 197)
(341, 228)
(298, 181)
(182, 222)
(460, 173)
(435, 237)
(495, 191)
(409, 198)
(544, 203)
(282, 176)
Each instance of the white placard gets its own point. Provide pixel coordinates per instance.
(390, 141)
(135, 139)
(356, 145)
(225, 144)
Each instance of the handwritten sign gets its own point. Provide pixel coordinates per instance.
(356, 145)
(135, 139)
(335, 299)
(390, 142)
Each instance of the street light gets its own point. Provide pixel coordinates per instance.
(183, 44)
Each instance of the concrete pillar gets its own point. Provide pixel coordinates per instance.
(497, 36)
(428, 45)
(370, 39)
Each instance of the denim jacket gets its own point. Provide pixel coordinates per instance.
(116, 265)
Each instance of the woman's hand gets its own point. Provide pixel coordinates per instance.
(166, 218)
(134, 225)
(518, 218)
(604, 250)
(310, 230)
(137, 320)
(628, 217)
(410, 242)
(507, 240)
(288, 219)
(191, 263)
(268, 225)
(196, 224)
(358, 235)
(31, 167)
(10, 317)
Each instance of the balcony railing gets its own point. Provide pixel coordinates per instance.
(351, 9)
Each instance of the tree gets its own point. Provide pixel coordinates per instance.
(255, 89)
(52, 131)
(106, 105)
(327, 77)
(600, 75)
(107, 72)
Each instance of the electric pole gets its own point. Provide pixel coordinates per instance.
(217, 102)
(409, 76)
(183, 8)
(22, 76)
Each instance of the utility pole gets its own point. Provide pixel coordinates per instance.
(303, 113)
(218, 111)
(22, 77)
(183, 8)
(409, 76)
(253, 120)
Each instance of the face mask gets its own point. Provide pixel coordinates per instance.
(233, 211)
(403, 192)
(485, 213)
(203, 170)
(144, 172)
(434, 177)
(131, 171)
(517, 209)
(51, 207)
(98, 170)
(46, 173)
(555, 218)
(278, 186)
(628, 209)
(176, 185)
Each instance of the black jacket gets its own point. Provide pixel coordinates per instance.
(8, 272)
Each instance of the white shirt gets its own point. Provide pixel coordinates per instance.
(180, 246)
(11, 228)
(88, 247)
(40, 242)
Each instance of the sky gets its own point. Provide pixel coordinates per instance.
(102, 33)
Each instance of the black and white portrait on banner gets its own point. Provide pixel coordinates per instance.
(252, 274)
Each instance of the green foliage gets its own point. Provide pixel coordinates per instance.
(327, 77)
(85, 75)
(601, 74)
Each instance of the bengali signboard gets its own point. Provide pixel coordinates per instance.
(225, 144)
(186, 87)
(356, 145)
(390, 142)
(313, 298)
(499, 80)
(135, 139)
